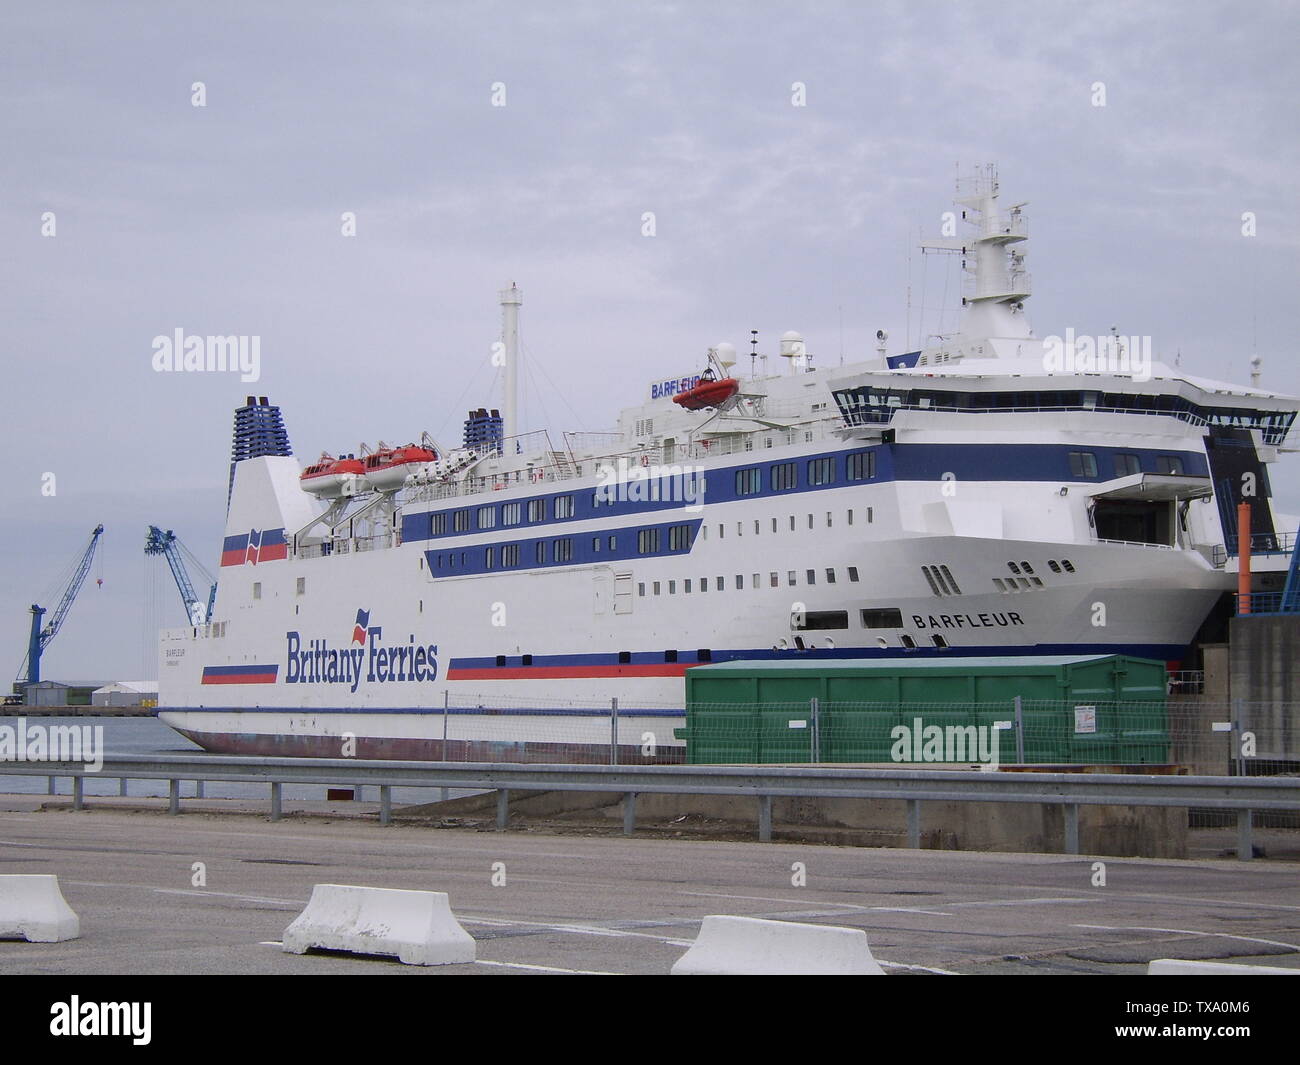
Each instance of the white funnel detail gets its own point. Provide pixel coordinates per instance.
(511, 298)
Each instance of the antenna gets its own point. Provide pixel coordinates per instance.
(753, 353)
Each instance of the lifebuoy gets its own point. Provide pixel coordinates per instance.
(645, 460)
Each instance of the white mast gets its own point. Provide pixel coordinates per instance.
(997, 284)
(511, 298)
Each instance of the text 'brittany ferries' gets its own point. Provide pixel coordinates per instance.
(316, 662)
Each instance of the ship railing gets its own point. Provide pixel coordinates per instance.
(1135, 543)
(1260, 544)
(876, 415)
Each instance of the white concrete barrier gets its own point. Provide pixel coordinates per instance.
(743, 946)
(416, 926)
(1178, 967)
(33, 908)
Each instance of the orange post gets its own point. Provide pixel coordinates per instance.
(1243, 558)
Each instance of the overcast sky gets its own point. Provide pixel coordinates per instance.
(226, 219)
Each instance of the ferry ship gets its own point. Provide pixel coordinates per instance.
(993, 493)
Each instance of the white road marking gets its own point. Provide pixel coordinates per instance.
(544, 968)
(819, 902)
(577, 929)
(1186, 932)
(914, 968)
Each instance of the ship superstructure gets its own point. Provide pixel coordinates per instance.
(990, 494)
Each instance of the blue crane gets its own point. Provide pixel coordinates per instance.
(40, 637)
(167, 545)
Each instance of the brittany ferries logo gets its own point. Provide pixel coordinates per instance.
(366, 657)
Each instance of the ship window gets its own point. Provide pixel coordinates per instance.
(907, 641)
(740, 580)
(640, 589)
(756, 582)
(1083, 464)
(721, 530)
(757, 530)
(527, 660)
(563, 550)
(437, 524)
(460, 521)
(938, 640)
(861, 465)
(613, 542)
(648, 541)
(774, 525)
(490, 557)
(624, 657)
(853, 574)
(1127, 465)
(740, 528)
(997, 583)
(830, 576)
(884, 618)
(828, 519)
(821, 471)
(301, 587)
(948, 577)
(537, 510)
(774, 579)
(501, 660)
(1013, 567)
(257, 589)
(670, 656)
(810, 577)
(704, 654)
(656, 587)
(510, 555)
(1069, 566)
(1026, 567)
(595, 545)
(510, 513)
(672, 587)
(790, 578)
(749, 481)
(870, 515)
(819, 619)
(686, 586)
(1053, 565)
(792, 523)
(783, 476)
(564, 506)
(929, 578)
(721, 584)
(540, 549)
(810, 521)
(1038, 582)
(704, 584)
(849, 515)
(487, 517)
(1169, 464)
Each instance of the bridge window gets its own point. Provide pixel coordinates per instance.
(1170, 464)
(510, 555)
(460, 521)
(564, 506)
(437, 524)
(487, 517)
(510, 513)
(563, 550)
(1083, 464)
(1127, 465)
(537, 510)
(648, 541)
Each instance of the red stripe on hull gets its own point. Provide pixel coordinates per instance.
(249, 678)
(667, 669)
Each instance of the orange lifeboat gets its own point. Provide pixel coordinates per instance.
(388, 468)
(708, 393)
(330, 477)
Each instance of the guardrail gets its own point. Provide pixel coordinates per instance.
(763, 783)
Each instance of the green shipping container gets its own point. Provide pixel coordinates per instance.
(1076, 709)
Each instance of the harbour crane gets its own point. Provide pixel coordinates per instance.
(166, 544)
(30, 671)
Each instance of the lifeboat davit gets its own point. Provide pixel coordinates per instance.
(708, 394)
(387, 469)
(330, 478)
